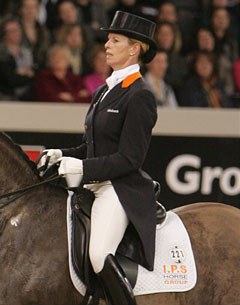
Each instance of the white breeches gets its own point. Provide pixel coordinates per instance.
(108, 224)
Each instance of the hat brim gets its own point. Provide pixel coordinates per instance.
(149, 55)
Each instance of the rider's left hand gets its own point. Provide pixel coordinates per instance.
(72, 169)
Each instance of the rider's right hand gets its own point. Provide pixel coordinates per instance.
(52, 156)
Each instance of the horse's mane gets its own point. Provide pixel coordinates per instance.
(9, 142)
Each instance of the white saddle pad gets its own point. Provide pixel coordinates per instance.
(174, 267)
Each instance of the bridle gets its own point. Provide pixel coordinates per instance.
(12, 196)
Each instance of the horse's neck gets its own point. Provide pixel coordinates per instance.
(15, 172)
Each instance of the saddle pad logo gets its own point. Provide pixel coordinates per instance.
(175, 273)
(174, 265)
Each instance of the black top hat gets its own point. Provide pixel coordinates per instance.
(135, 27)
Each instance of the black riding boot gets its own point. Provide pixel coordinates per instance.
(116, 286)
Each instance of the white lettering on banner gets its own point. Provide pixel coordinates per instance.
(192, 179)
(195, 180)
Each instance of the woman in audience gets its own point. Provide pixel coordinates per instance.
(100, 70)
(225, 42)
(73, 37)
(16, 63)
(156, 71)
(67, 12)
(167, 12)
(203, 88)
(57, 83)
(35, 36)
(177, 68)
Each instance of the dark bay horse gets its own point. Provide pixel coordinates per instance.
(33, 244)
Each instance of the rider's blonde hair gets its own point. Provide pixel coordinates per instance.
(144, 47)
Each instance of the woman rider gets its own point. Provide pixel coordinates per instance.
(118, 130)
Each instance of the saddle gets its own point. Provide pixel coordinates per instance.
(129, 251)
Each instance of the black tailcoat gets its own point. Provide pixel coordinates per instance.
(116, 140)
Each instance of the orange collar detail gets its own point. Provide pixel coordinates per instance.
(129, 80)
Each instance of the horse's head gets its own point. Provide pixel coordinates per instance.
(16, 169)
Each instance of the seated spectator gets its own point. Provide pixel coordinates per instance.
(73, 37)
(167, 12)
(154, 77)
(35, 36)
(16, 63)
(57, 83)
(100, 70)
(225, 42)
(93, 15)
(206, 42)
(188, 13)
(203, 88)
(67, 13)
(233, 8)
(177, 67)
(236, 74)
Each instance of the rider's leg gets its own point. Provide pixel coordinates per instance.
(108, 225)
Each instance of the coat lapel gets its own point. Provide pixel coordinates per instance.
(118, 91)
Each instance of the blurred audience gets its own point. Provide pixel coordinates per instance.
(73, 37)
(156, 71)
(34, 35)
(100, 70)
(203, 88)
(225, 42)
(129, 6)
(189, 14)
(177, 68)
(67, 12)
(93, 15)
(8, 7)
(206, 42)
(16, 63)
(57, 83)
(233, 8)
(167, 12)
(184, 28)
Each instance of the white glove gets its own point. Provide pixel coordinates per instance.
(54, 155)
(72, 169)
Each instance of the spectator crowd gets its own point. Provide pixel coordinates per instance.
(53, 50)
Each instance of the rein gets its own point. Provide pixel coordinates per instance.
(19, 193)
(12, 196)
